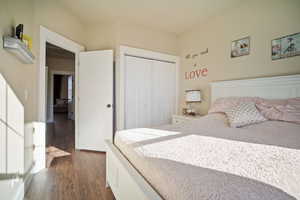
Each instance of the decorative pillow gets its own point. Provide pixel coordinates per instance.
(223, 104)
(244, 114)
(269, 111)
(290, 113)
(281, 110)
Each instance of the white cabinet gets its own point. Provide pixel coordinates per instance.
(2, 147)
(150, 92)
(11, 141)
(15, 152)
(11, 130)
(15, 112)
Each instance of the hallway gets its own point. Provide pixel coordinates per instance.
(80, 176)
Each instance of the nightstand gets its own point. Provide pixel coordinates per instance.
(178, 119)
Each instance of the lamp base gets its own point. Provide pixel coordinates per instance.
(189, 111)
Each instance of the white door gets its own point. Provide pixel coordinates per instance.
(70, 97)
(46, 92)
(95, 87)
(163, 92)
(137, 92)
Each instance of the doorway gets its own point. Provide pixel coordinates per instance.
(48, 36)
(60, 87)
(94, 66)
(75, 169)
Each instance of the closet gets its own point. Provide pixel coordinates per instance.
(150, 92)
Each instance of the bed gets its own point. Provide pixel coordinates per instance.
(206, 159)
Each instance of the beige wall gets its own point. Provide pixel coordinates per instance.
(23, 77)
(141, 37)
(60, 64)
(100, 36)
(19, 76)
(32, 13)
(50, 14)
(110, 36)
(262, 21)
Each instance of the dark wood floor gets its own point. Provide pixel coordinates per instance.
(80, 176)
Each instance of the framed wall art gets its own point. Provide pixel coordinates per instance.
(240, 47)
(287, 46)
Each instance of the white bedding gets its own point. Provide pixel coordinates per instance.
(205, 159)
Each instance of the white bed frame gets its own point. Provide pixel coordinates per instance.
(277, 87)
(128, 184)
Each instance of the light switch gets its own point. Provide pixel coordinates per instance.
(25, 94)
(2, 99)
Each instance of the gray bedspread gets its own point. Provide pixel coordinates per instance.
(207, 160)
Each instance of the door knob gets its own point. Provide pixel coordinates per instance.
(108, 105)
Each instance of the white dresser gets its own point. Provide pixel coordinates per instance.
(178, 119)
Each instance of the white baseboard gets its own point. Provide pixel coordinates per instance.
(12, 189)
(39, 153)
(28, 178)
(20, 194)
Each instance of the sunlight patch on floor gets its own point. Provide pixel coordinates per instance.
(53, 152)
(144, 134)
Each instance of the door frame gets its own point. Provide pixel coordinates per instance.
(56, 39)
(51, 87)
(142, 53)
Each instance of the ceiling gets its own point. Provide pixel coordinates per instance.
(174, 16)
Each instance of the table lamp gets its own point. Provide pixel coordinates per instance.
(192, 96)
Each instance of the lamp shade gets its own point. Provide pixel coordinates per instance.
(192, 96)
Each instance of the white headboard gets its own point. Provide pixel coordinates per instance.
(277, 87)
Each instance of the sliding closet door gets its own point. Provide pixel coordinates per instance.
(150, 92)
(163, 92)
(137, 92)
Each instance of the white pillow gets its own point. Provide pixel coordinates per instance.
(244, 114)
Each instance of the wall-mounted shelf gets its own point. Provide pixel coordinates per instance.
(18, 48)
